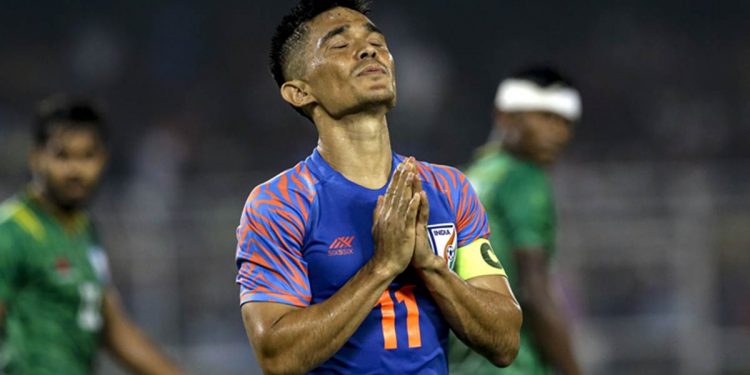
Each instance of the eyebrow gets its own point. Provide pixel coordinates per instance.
(342, 29)
(332, 33)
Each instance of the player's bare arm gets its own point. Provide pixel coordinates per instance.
(294, 340)
(543, 313)
(128, 344)
(482, 311)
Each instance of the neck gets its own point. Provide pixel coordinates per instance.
(528, 156)
(68, 217)
(510, 140)
(357, 146)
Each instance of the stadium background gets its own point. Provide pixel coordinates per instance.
(653, 195)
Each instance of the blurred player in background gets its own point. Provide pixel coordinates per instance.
(57, 303)
(345, 260)
(534, 114)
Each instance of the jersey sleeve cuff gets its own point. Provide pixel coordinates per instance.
(286, 299)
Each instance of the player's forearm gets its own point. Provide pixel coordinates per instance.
(303, 339)
(136, 351)
(487, 321)
(544, 315)
(129, 344)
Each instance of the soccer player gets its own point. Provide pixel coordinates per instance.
(346, 261)
(57, 303)
(534, 114)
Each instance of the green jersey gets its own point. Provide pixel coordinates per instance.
(51, 281)
(518, 199)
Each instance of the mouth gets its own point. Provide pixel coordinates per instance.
(372, 69)
(75, 186)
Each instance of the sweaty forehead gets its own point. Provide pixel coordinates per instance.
(333, 18)
(73, 137)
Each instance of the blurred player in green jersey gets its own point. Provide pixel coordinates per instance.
(534, 114)
(57, 304)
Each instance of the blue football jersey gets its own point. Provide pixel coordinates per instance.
(307, 231)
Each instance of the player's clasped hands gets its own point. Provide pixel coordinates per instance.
(423, 256)
(400, 221)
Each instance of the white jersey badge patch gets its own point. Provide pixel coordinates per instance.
(444, 240)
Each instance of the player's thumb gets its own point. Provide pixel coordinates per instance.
(376, 212)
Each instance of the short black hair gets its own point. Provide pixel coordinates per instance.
(62, 111)
(543, 76)
(291, 31)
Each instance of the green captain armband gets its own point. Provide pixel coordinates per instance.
(478, 259)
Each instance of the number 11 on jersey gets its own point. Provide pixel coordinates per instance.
(406, 296)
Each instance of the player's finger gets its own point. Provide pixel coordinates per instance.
(417, 183)
(411, 212)
(409, 183)
(405, 193)
(410, 164)
(377, 211)
(398, 187)
(424, 210)
(390, 192)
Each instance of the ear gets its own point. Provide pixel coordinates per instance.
(497, 116)
(510, 127)
(297, 93)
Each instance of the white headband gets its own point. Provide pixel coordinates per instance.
(517, 95)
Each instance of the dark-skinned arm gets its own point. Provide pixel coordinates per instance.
(294, 340)
(549, 328)
(129, 345)
(482, 311)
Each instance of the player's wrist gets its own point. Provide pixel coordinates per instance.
(430, 263)
(385, 268)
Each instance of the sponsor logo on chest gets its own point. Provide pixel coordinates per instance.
(64, 269)
(69, 270)
(342, 245)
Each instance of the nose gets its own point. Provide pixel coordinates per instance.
(74, 169)
(367, 51)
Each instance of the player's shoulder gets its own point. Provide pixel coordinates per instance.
(519, 165)
(18, 220)
(527, 174)
(443, 177)
(508, 170)
(296, 186)
(8, 210)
